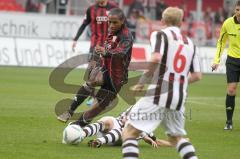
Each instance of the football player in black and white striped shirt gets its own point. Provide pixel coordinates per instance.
(174, 64)
(109, 131)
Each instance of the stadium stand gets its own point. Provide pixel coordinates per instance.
(214, 4)
(11, 5)
(142, 19)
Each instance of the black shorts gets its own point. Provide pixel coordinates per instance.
(108, 91)
(232, 69)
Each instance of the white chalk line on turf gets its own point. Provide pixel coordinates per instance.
(203, 103)
(206, 98)
(208, 101)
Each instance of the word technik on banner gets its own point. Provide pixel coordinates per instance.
(38, 26)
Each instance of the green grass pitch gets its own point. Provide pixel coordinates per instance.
(29, 129)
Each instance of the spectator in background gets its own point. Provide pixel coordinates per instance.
(32, 6)
(185, 11)
(208, 19)
(228, 8)
(151, 8)
(190, 22)
(135, 12)
(132, 21)
(220, 16)
(160, 7)
(62, 6)
(136, 7)
(208, 15)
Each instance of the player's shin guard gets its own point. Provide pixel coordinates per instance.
(130, 149)
(230, 105)
(93, 129)
(82, 94)
(186, 149)
(111, 137)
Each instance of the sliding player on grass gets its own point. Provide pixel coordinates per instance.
(109, 131)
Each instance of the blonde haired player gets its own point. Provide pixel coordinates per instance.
(173, 66)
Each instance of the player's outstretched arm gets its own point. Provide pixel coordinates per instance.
(164, 143)
(158, 142)
(150, 141)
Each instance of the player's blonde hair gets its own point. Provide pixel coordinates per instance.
(172, 16)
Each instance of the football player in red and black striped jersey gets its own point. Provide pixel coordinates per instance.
(113, 73)
(96, 17)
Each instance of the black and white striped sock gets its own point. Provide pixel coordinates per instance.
(130, 149)
(111, 137)
(186, 149)
(93, 129)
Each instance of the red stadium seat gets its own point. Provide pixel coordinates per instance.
(8, 1)
(139, 53)
(11, 5)
(128, 2)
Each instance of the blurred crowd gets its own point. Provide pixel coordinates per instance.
(144, 15)
(37, 6)
(204, 30)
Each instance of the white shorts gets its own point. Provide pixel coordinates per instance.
(116, 125)
(146, 116)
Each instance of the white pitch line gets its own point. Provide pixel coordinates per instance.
(202, 103)
(206, 98)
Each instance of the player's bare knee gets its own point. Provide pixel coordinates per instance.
(174, 139)
(130, 132)
(232, 91)
(108, 123)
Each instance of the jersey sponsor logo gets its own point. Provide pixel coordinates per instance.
(114, 38)
(101, 19)
(109, 46)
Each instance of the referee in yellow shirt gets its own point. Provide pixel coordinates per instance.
(230, 32)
